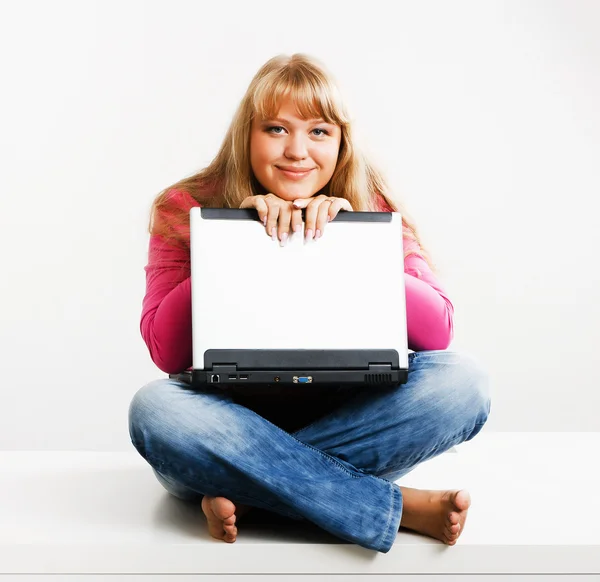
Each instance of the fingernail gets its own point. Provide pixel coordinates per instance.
(265, 221)
(309, 234)
(317, 234)
(297, 227)
(274, 233)
(329, 219)
(283, 239)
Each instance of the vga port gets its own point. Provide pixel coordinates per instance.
(302, 379)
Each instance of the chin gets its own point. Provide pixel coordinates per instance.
(290, 195)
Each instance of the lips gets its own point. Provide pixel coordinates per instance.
(291, 169)
(295, 174)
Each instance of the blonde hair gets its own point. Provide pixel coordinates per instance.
(229, 178)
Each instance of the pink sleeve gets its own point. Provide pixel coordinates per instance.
(429, 311)
(166, 321)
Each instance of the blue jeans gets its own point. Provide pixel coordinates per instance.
(334, 466)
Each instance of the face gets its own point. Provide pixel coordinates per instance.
(288, 142)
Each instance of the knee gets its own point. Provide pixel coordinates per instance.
(145, 400)
(143, 408)
(474, 387)
(455, 387)
(167, 410)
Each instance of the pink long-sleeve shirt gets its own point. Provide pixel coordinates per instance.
(166, 322)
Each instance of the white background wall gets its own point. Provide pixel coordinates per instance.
(484, 114)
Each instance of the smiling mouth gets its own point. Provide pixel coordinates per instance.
(296, 170)
(295, 175)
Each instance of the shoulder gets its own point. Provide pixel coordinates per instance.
(381, 204)
(180, 199)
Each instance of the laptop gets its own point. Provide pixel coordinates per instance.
(324, 313)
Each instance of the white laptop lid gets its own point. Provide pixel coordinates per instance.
(342, 291)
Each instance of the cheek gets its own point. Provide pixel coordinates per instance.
(261, 151)
(256, 155)
(330, 159)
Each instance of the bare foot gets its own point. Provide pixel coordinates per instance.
(438, 514)
(221, 514)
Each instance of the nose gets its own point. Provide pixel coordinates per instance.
(295, 147)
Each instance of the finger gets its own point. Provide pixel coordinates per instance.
(302, 202)
(310, 217)
(272, 217)
(322, 216)
(258, 203)
(337, 205)
(285, 218)
(262, 209)
(296, 219)
(345, 204)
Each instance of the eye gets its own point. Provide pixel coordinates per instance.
(269, 129)
(272, 128)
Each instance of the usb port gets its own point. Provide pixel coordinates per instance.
(232, 377)
(243, 376)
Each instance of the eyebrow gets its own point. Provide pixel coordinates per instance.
(281, 120)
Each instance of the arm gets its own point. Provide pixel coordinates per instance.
(429, 311)
(166, 323)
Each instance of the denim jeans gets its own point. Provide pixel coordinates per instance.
(335, 467)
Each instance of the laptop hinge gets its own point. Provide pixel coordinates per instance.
(224, 368)
(380, 368)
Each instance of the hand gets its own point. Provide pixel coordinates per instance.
(276, 214)
(319, 211)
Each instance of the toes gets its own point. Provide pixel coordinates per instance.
(453, 518)
(452, 531)
(462, 499)
(230, 530)
(230, 533)
(223, 508)
(450, 539)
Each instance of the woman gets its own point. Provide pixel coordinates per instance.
(332, 460)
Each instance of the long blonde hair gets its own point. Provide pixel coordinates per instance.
(229, 179)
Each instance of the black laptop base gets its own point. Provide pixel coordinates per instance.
(297, 369)
(290, 381)
(224, 376)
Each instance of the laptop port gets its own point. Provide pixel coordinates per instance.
(243, 376)
(232, 377)
(302, 379)
(214, 378)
